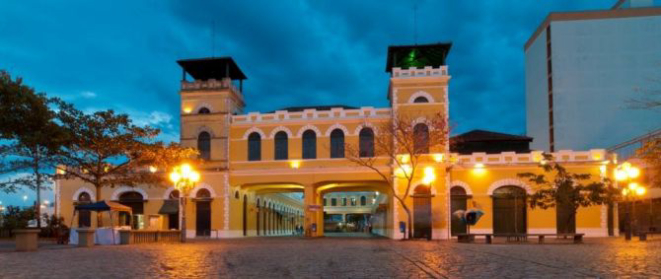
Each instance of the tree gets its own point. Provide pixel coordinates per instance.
(108, 150)
(400, 146)
(31, 136)
(650, 152)
(557, 187)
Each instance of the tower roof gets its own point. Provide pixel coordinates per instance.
(212, 68)
(414, 56)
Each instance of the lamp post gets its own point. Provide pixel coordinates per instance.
(184, 179)
(627, 172)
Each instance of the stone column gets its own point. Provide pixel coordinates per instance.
(311, 216)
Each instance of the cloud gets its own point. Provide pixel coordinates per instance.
(88, 94)
(293, 52)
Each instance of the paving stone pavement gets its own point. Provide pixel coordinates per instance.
(289, 257)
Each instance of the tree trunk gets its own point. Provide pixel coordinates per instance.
(409, 225)
(99, 216)
(38, 184)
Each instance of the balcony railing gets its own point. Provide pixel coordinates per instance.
(211, 84)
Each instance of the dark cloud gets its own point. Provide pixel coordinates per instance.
(294, 52)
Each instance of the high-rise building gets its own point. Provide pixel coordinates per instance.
(582, 71)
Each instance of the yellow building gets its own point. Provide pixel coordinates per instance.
(266, 173)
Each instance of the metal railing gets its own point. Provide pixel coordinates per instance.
(627, 149)
(148, 236)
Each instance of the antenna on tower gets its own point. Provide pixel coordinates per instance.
(415, 22)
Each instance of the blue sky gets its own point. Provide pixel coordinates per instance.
(121, 54)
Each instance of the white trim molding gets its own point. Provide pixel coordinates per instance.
(309, 127)
(421, 93)
(204, 129)
(168, 191)
(337, 126)
(278, 129)
(203, 105)
(254, 130)
(124, 189)
(84, 190)
(459, 183)
(509, 182)
(199, 186)
(365, 125)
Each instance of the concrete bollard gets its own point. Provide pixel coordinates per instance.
(26, 239)
(85, 237)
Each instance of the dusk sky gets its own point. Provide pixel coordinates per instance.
(121, 54)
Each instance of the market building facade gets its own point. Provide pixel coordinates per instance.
(271, 173)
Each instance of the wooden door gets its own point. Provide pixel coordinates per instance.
(203, 218)
(509, 210)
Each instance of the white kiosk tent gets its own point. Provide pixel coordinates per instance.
(99, 207)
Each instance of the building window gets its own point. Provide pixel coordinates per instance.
(353, 201)
(363, 201)
(324, 201)
(333, 202)
(254, 147)
(204, 145)
(337, 143)
(421, 99)
(366, 146)
(309, 145)
(174, 195)
(84, 216)
(204, 110)
(421, 138)
(344, 201)
(280, 143)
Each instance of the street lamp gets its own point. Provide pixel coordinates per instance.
(627, 172)
(184, 179)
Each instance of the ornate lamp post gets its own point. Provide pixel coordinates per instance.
(627, 172)
(184, 179)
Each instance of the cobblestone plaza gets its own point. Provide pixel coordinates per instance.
(284, 257)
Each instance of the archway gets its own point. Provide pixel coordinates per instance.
(84, 216)
(458, 202)
(422, 212)
(203, 213)
(509, 210)
(272, 202)
(135, 201)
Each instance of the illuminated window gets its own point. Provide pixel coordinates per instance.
(421, 138)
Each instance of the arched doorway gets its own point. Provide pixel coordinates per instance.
(136, 202)
(245, 215)
(84, 216)
(203, 213)
(509, 210)
(173, 217)
(458, 202)
(422, 212)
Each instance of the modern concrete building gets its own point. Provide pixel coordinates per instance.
(583, 68)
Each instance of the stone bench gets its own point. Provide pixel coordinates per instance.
(470, 238)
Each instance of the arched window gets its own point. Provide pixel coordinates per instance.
(309, 144)
(366, 146)
(84, 216)
(236, 195)
(174, 194)
(254, 147)
(421, 138)
(203, 193)
(363, 201)
(280, 142)
(337, 143)
(135, 201)
(204, 145)
(324, 201)
(333, 202)
(204, 110)
(353, 201)
(421, 99)
(344, 201)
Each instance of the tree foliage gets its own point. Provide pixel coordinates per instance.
(556, 186)
(398, 152)
(650, 152)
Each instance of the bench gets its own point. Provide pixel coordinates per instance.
(643, 235)
(469, 238)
